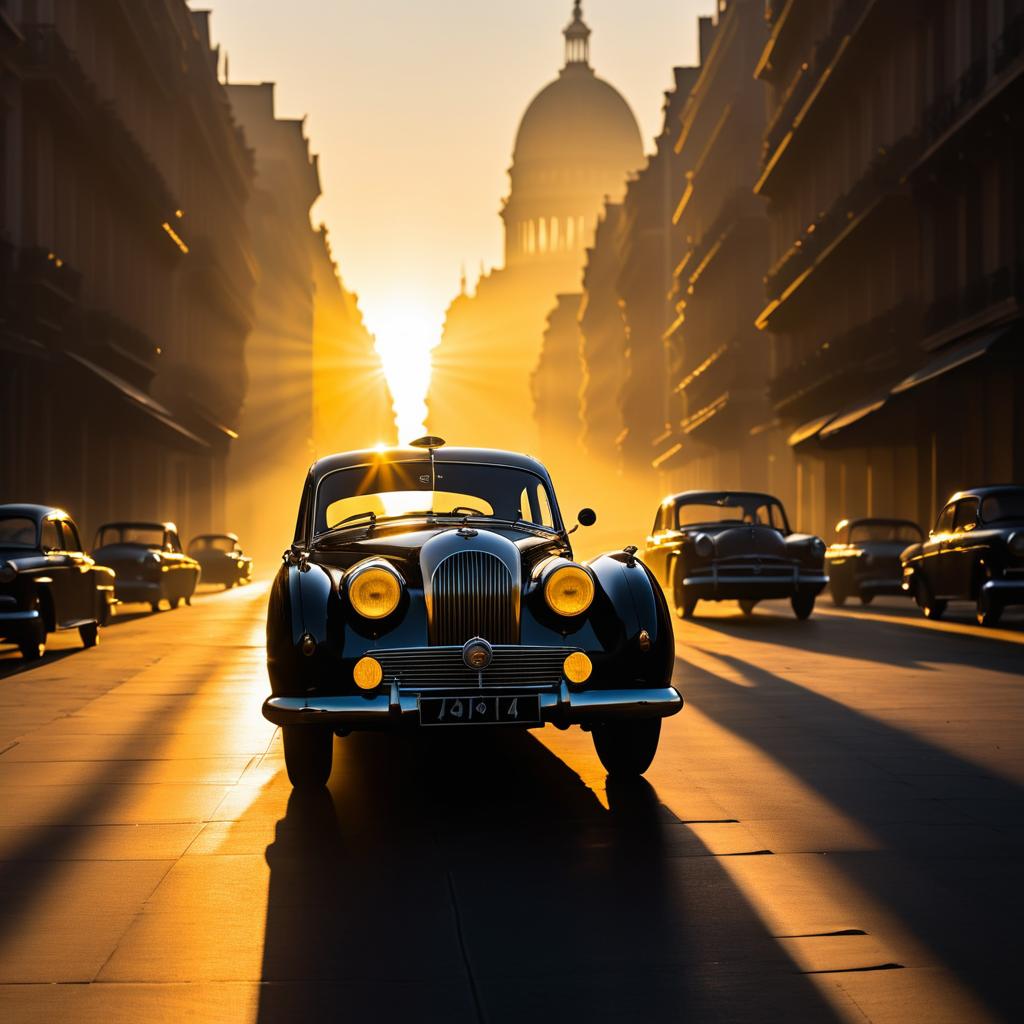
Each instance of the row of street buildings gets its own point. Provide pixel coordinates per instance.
(813, 285)
(175, 339)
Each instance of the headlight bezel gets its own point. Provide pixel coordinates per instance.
(561, 572)
(361, 572)
(703, 545)
(1015, 543)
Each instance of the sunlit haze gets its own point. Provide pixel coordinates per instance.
(413, 109)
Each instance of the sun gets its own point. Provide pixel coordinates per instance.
(405, 336)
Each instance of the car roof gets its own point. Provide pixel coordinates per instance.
(479, 456)
(880, 521)
(137, 524)
(984, 492)
(34, 511)
(700, 495)
(214, 536)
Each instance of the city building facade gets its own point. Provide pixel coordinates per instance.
(125, 266)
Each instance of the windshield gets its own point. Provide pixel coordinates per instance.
(404, 489)
(732, 508)
(18, 532)
(1006, 506)
(225, 544)
(147, 536)
(866, 533)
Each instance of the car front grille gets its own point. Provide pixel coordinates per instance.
(472, 594)
(756, 568)
(428, 667)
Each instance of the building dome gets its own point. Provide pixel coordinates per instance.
(578, 118)
(577, 144)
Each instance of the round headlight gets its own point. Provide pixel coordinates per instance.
(818, 547)
(703, 545)
(569, 590)
(1016, 544)
(374, 592)
(577, 667)
(367, 673)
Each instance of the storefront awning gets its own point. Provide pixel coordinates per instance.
(139, 399)
(952, 358)
(809, 430)
(853, 414)
(668, 457)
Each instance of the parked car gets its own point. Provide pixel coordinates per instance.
(733, 546)
(974, 553)
(148, 561)
(47, 582)
(437, 587)
(865, 560)
(221, 559)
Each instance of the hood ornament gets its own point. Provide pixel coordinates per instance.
(466, 532)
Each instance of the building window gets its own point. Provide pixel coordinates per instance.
(554, 234)
(542, 234)
(532, 246)
(570, 232)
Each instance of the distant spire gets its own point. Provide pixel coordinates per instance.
(462, 281)
(577, 38)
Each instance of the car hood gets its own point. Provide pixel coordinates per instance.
(404, 546)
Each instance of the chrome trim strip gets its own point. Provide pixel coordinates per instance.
(28, 616)
(719, 580)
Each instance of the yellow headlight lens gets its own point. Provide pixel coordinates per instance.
(577, 667)
(375, 593)
(367, 673)
(569, 590)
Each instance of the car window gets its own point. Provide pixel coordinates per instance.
(18, 532)
(966, 517)
(70, 531)
(146, 536)
(171, 542)
(944, 524)
(866, 533)
(50, 536)
(1004, 507)
(732, 508)
(224, 544)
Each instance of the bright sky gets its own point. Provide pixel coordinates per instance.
(413, 107)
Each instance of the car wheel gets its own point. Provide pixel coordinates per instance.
(683, 603)
(803, 605)
(838, 596)
(990, 609)
(866, 598)
(626, 749)
(33, 644)
(308, 752)
(154, 606)
(90, 634)
(747, 607)
(932, 608)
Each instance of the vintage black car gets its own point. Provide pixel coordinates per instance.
(46, 581)
(733, 546)
(865, 560)
(974, 553)
(437, 587)
(148, 561)
(221, 559)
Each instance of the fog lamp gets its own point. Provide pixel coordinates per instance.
(577, 667)
(569, 590)
(367, 673)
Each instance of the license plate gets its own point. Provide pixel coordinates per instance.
(480, 710)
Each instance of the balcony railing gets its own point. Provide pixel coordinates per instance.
(1006, 282)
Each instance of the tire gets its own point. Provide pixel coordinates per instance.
(308, 753)
(33, 644)
(866, 598)
(803, 605)
(990, 610)
(932, 608)
(90, 634)
(747, 607)
(179, 601)
(626, 749)
(154, 607)
(683, 604)
(838, 596)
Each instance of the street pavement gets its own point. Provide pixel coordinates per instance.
(832, 831)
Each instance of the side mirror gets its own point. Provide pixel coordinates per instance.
(587, 517)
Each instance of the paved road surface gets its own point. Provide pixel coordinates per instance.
(832, 831)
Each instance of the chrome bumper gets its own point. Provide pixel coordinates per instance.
(561, 708)
(1007, 591)
(722, 586)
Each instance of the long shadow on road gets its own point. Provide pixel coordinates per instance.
(474, 877)
(953, 827)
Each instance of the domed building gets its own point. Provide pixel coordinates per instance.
(577, 144)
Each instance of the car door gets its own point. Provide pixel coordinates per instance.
(81, 585)
(961, 550)
(60, 585)
(933, 551)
